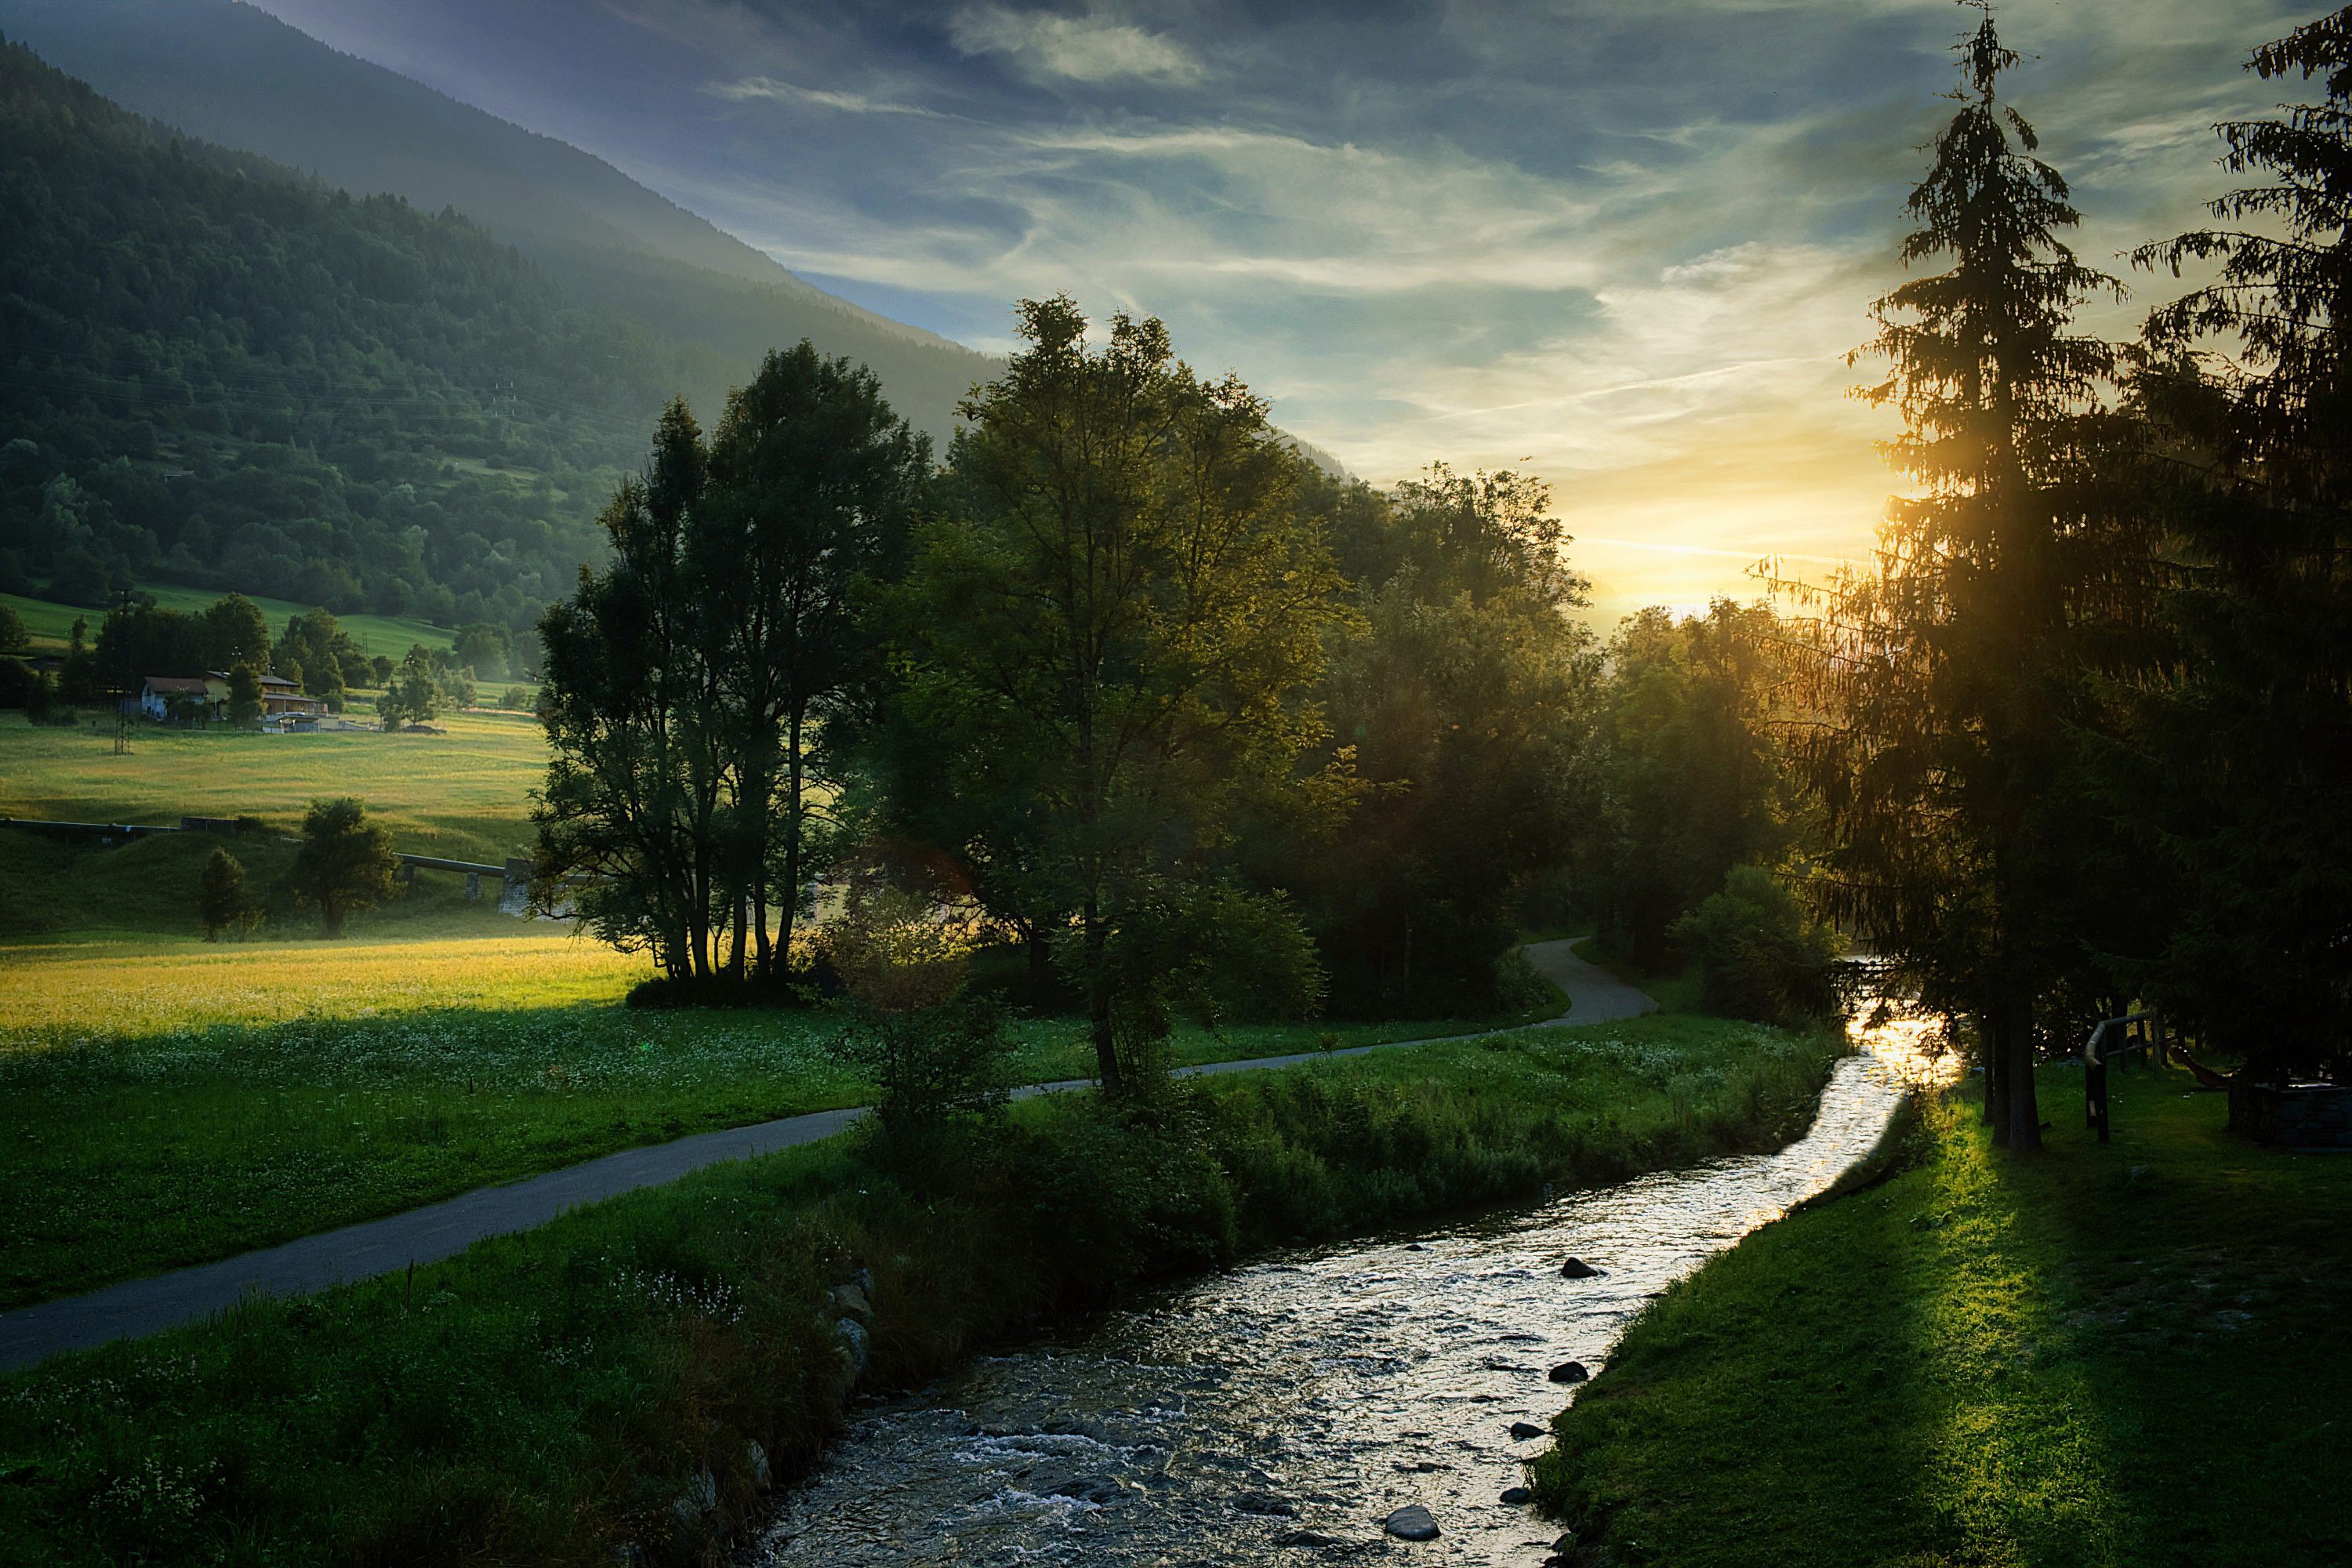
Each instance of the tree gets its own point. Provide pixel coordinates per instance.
(1942, 676)
(345, 862)
(1464, 705)
(12, 634)
(1694, 780)
(1117, 631)
(727, 648)
(235, 632)
(223, 902)
(380, 671)
(486, 649)
(635, 777)
(244, 694)
(2235, 776)
(813, 486)
(414, 694)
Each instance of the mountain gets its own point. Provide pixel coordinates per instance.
(232, 73)
(218, 370)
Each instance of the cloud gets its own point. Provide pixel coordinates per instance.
(751, 88)
(1081, 48)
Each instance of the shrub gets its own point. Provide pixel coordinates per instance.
(223, 905)
(936, 1057)
(345, 862)
(1759, 954)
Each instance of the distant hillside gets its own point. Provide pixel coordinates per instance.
(215, 369)
(235, 75)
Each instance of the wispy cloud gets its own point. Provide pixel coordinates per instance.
(749, 88)
(1088, 49)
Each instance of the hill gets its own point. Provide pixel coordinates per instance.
(233, 74)
(215, 369)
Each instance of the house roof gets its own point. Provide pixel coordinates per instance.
(277, 680)
(173, 683)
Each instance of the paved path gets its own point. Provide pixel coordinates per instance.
(442, 1230)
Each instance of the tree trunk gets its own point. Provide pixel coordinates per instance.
(1099, 1000)
(788, 911)
(2024, 1108)
(1992, 1036)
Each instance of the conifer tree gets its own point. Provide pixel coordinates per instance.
(1941, 673)
(2244, 745)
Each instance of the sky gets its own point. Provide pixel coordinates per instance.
(1625, 244)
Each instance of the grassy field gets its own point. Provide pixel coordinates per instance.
(2127, 1355)
(464, 794)
(51, 624)
(552, 1397)
(190, 1100)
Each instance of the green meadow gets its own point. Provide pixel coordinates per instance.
(464, 795)
(2125, 1353)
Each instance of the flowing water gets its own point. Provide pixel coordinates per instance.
(1282, 1410)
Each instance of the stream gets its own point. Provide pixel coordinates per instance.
(1281, 1412)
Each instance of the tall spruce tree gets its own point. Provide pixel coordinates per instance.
(1943, 673)
(2243, 779)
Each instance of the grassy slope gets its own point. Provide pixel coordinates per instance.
(2121, 1355)
(51, 624)
(464, 794)
(547, 1397)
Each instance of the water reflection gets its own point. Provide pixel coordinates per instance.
(1282, 1410)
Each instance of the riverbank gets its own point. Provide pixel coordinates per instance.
(2127, 1353)
(633, 1375)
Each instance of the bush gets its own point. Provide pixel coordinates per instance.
(345, 862)
(1759, 954)
(223, 905)
(936, 1057)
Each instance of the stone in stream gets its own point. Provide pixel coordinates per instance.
(1569, 1372)
(1523, 1430)
(1411, 1523)
(1265, 1504)
(1576, 1269)
(1514, 1496)
(1307, 1538)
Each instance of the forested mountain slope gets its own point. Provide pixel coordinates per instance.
(216, 370)
(235, 75)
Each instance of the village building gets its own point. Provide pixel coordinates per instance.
(158, 695)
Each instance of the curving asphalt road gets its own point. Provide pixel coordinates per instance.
(427, 1234)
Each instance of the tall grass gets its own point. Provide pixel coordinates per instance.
(597, 1386)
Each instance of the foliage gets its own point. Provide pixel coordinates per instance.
(1463, 702)
(1760, 952)
(428, 680)
(12, 634)
(1113, 636)
(1966, 1362)
(244, 696)
(345, 862)
(1694, 780)
(1944, 678)
(486, 649)
(936, 1058)
(700, 688)
(224, 906)
(2233, 779)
